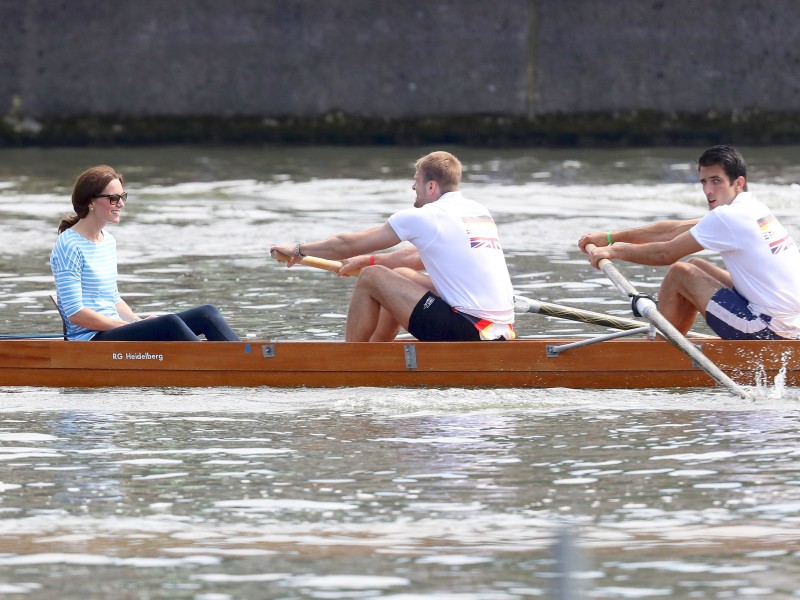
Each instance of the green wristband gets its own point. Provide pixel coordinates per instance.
(608, 237)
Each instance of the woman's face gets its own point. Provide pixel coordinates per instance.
(108, 209)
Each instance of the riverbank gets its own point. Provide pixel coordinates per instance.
(591, 130)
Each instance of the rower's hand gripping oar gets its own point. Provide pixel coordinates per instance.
(310, 261)
(648, 309)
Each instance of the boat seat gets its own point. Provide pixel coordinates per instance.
(63, 321)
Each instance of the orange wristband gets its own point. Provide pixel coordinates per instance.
(371, 260)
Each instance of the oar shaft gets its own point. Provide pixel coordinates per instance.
(649, 311)
(560, 311)
(580, 315)
(610, 271)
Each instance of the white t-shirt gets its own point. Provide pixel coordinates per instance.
(760, 256)
(458, 243)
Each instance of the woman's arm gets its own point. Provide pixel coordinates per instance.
(90, 319)
(126, 312)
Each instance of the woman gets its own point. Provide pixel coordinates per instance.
(84, 264)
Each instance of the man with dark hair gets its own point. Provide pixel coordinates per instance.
(757, 297)
(466, 294)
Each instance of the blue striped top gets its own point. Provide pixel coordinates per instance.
(86, 277)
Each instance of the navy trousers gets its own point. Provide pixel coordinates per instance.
(178, 327)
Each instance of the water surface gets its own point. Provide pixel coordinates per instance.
(213, 494)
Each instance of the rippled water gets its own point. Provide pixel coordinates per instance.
(363, 493)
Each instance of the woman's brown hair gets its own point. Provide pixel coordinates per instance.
(90, 183)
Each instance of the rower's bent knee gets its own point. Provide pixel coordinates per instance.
(697, 262)
(373, 274)
(682, 270)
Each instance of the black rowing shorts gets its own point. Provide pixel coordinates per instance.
(434, 320)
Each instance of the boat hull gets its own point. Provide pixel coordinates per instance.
(524, 364)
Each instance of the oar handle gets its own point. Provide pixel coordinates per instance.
(589, 248)
(310, 261)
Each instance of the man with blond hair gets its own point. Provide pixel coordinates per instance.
(465, 293)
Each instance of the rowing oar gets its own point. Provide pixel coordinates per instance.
(520, 302)
(583, 316)
(541, 307)
(648, 309)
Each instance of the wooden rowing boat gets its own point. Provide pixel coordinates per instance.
(622, 363)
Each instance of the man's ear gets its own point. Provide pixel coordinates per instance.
(740, 183)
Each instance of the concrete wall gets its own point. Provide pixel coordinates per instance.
(667, 55)
(81, 70)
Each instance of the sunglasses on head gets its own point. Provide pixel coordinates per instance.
(114, 199)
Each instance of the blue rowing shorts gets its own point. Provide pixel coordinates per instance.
(728, 315)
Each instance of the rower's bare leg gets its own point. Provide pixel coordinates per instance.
(685, 292)
(388, 327)
(379, 287)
